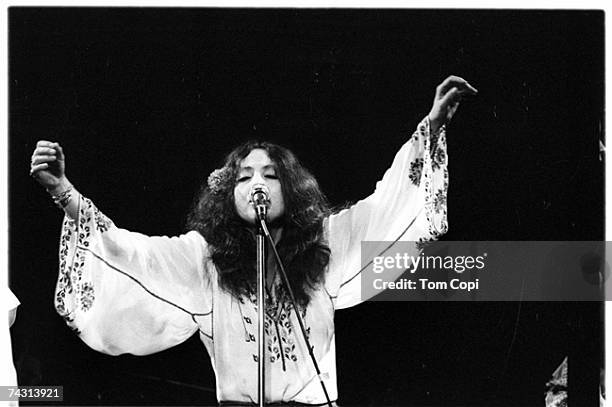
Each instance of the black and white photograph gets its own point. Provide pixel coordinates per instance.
(190, 190)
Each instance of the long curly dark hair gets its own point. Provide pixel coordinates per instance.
(302, 246)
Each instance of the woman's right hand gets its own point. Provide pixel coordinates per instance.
(48, 166)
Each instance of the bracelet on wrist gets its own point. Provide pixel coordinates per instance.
(62, 199)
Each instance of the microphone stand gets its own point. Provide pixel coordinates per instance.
(264, 229)
(261, 310)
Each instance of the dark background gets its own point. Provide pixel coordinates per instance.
(146, 102)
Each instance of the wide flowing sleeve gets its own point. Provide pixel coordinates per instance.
(124, 292)
(408, 204)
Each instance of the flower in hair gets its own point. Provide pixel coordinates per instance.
(219, 179)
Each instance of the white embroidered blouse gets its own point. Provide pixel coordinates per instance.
(124, 292)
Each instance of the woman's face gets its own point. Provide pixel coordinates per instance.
(257, 168)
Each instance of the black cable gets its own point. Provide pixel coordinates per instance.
(295, 307)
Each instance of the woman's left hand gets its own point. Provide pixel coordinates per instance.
(446, 101)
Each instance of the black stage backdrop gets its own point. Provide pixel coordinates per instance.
(147, 101)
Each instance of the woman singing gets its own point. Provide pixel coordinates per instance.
(124, 292)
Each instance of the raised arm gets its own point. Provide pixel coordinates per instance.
(120, 291)
(48, 168)
(408, 204)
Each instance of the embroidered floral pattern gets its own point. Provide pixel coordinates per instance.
(420, 131)
(87, 296)
(416, 168)
(102, 222)
(84, 222)
(279, 330)
(63, 284)
(435, 196)
(439, 158)
(440, 201)
(72, 291)
(422, 171)
(77, 267)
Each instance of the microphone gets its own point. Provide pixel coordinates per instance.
(259, 197)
